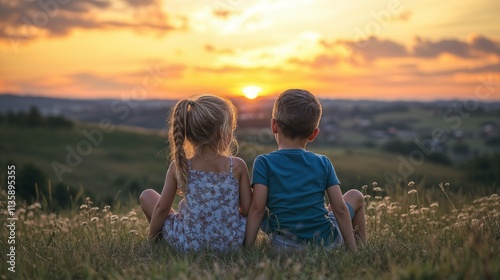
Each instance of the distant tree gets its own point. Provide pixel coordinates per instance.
(492, 141)
(33, 118)
(461, 148)
(484, 169)
(58, 121)
(407, 148)
(28, 179)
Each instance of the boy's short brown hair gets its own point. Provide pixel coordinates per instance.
(297, 113)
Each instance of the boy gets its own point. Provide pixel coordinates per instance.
(291, 182)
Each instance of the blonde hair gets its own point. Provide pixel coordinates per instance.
(297, 112)
(204, 122)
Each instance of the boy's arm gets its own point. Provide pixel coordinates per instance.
(255, 214)
(164, 204)
(341, 213)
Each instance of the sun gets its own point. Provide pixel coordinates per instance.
(251, 92)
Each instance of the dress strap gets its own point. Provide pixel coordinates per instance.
(230, 164)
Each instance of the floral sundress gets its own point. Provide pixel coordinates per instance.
(208, 215)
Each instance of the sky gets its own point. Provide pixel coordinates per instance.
(169, 49)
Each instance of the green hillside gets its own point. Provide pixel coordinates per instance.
(128, 160)
(122, 161)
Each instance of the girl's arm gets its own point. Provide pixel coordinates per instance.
(163, 207)
(255, 214)
(341, 213)
(245, 190)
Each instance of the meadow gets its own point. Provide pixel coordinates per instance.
(432, 224)
(414, 233)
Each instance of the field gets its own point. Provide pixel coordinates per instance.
(439, 227)
(415, 233)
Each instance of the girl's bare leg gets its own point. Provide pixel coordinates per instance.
(148, 200)
(356, 200)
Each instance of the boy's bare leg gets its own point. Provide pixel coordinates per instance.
(356, 200)
(148, 200)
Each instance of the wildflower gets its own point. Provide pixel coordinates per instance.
(132, 213)
(124, 219)
(133, 232)
(35, 206)
(83, 206)
(364, 187)
(381, 206)
(374, 184)
(84, 224)
(367, 196)
(411, 183)
(494, 195)
(447, 184)
(107, 207)
(434, 204)
(412, 191)
(377, 189)
(413, 207)
(377, 197)
(441, 187)
(113, 218)
(94, 208)
(424, 209)
(94, 219)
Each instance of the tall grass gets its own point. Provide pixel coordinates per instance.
(415, 233)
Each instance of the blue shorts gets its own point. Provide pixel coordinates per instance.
(337, 235)
(281, 242)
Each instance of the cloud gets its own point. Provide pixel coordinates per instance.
(30, 19)
(224, 13)
(211, 49)
(93, 81)
(321, 61)
(405, 16)
(429, 49)
(373, 48)
(476, 47)
(485, 45)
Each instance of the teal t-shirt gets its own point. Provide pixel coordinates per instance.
(296, 180)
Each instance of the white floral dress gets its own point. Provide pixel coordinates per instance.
(208, 215)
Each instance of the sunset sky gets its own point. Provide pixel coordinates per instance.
(369, 49)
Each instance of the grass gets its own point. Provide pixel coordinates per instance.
(416, 235)
(422, 235)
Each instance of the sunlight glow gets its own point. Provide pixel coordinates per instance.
(251, 92)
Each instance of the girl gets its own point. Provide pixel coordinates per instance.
(215, 185)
